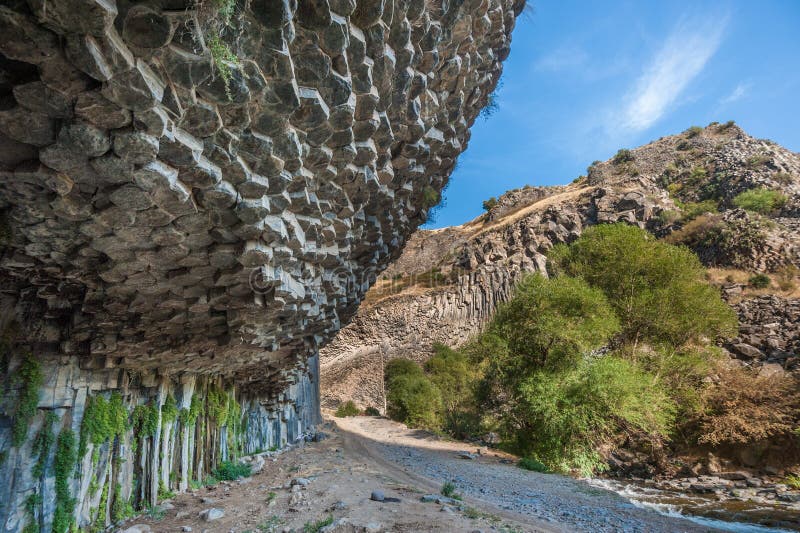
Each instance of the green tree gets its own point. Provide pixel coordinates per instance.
(414, 400)
(657, 289)
(400, 367)
(563, 418)
(454, 375)
(552, 323)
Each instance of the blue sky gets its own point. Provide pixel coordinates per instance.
(587, 78)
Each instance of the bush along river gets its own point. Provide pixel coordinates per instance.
(730, 501)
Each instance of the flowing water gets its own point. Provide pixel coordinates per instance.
(726, 515)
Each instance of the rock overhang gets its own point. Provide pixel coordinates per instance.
(172, 208)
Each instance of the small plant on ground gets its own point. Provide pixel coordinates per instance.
(759, 281)
(231, 471)
(271, 524)
(154, 512)
(210, 481)
(372, 411)
(314, 527)
(529, 463)
(762, 201)
(348, 408)
(448, 490)
(792, 481)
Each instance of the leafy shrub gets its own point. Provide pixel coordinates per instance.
(692, 210)
(528, 463)
(414, 400)
(762, 201)
(231, 471)
(550, 322)
(489, 204)
(656, 289)
(683, 146)
(693, 131)
(697, 175)
(792, 481)
(566, 417)
(348, 408)
(454, 375)
(430, 197)
(757, 161)
(372, 411)
(401, 367)
(784, 178)
(744, 407)
(669, 216)
(726, 126)
(760, 281)
(622, 156)
(786, 277)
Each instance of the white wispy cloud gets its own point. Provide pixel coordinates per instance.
(562, 58)
(739, 92)
(679, 60)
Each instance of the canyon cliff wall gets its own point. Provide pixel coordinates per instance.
(448, 282)
(195, 197)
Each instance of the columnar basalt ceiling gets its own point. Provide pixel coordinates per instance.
(225, 212)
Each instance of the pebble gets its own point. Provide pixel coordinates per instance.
(377, 496)
(300, 481)
(187, 529)
(208, 501)
(212, 514)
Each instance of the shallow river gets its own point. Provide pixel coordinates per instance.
(726, 515)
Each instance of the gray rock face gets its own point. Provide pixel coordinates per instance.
(193, 200)
(208, 216)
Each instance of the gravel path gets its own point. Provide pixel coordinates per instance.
(561, 502)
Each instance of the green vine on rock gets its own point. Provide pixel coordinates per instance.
(169, 411)
(145, 420)
(66, 457)
(103, 420)
(42, 444)
(29, 375)
(223, 57)
(217, 402)
(196, 408)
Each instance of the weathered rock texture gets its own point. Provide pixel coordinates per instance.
(197, 194)
(448, 282)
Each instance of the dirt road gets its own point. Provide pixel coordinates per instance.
(333, 480)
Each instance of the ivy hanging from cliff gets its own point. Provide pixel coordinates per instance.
(42, 444)
(65, 460)
(29, 375)
(103, 420)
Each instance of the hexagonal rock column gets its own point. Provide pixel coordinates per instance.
(194, 199)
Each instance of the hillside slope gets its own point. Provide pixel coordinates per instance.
(683, 188)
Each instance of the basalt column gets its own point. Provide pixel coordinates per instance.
(194, 197)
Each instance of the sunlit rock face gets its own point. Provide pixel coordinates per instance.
(198, 195)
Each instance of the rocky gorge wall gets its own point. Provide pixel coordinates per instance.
(194, 197)
(475, 266)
